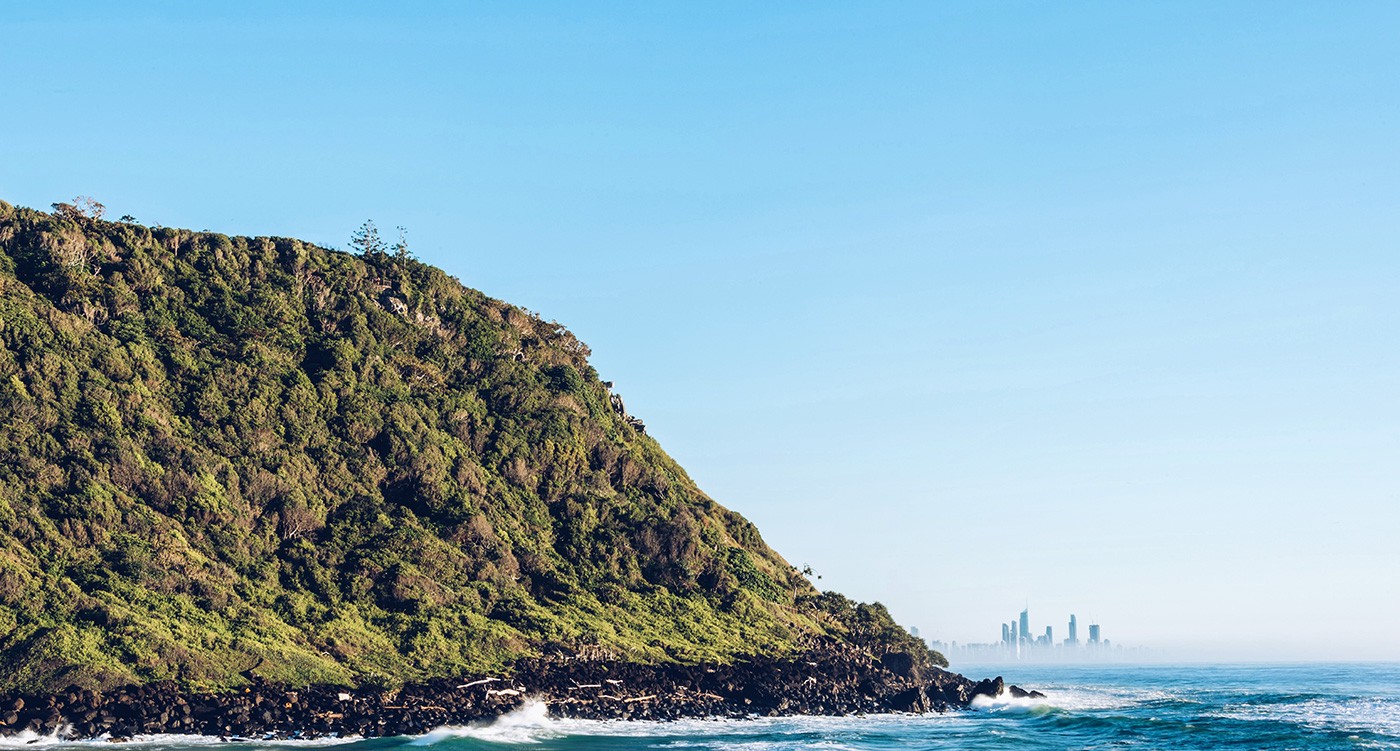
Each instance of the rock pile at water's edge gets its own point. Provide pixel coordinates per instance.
(829, 682)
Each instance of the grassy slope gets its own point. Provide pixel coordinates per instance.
(224, 454)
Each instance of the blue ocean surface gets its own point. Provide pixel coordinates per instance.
(1305, 707)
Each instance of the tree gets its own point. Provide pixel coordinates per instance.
(297, 519)
(366, 240)
(401, 247)
(82, 207)
(806, 571)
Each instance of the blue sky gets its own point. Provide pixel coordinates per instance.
(965, 304)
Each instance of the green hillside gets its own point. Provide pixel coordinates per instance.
(228, 456)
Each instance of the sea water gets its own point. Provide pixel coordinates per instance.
(1305, 707)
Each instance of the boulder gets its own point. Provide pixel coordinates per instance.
(1020, 693)
(900, 663)
(989, 687)
(913, 700)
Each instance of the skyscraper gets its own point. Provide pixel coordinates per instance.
(1005, 633)
(1026, 624)
(1073, 631)
(1049, 637)
(1093, 633)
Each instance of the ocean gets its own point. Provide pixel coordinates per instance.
(1276, 707)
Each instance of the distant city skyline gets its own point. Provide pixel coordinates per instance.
(1019, 642)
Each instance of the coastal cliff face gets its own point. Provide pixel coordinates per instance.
(226, 460)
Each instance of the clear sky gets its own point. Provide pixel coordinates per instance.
(967, 305)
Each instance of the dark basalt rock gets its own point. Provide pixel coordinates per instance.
(832, 680)
(901, 664)
(914, 700)
(990, 687)
(1020, 693)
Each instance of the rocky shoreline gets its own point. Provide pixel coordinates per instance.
(826, 682)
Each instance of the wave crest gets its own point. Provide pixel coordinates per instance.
(528, 723)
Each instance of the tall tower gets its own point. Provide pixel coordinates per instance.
(1073, 630)
(1049, 637)
(1093, 633)
(1005, 633)
(1026, 624)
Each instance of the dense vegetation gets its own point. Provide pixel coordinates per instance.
(224, 457)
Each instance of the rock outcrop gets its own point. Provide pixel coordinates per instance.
(829, 681)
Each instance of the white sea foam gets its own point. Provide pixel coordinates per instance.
(1359, 714)
(1072, 699)
(723, 726)
(777, 743)
(748, 734)
(1007, 703)
(528, 723)
(29, 739)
